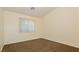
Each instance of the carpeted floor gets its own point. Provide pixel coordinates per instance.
(39, 45)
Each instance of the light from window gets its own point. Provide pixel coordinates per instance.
(27, 25)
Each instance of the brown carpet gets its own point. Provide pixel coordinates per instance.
(39, 45)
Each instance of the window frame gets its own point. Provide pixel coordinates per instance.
(27, 19)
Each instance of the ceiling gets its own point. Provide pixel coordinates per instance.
(36, 12)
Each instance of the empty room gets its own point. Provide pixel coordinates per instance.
(39, 29)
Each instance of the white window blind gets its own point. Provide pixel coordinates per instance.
(27, 25)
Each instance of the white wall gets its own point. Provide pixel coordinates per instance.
(11, 28)
(1, 29)
(62, 25)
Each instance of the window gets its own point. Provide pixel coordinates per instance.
(27, 25)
